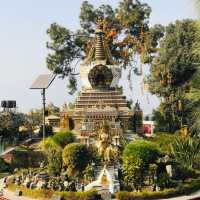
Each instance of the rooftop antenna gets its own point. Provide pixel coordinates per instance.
(43, 82)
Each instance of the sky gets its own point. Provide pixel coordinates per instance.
(23, 38)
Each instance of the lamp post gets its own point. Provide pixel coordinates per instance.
(44, 104)
(42, 83)
(1, 144)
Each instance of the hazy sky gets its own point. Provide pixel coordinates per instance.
(23, 25)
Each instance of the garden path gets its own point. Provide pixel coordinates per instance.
(193, 196)
(7, 195)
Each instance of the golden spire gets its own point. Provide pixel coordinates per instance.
(99, 43)
(99, 50)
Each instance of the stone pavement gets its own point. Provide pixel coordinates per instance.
(3, 198)
(7, 195)
(195, 196)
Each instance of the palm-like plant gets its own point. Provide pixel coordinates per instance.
(185, 151)
(195, 127)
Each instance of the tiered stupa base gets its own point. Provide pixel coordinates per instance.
(94, 107)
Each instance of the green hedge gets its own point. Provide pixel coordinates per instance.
(47, 194)
(145, 150)
(186, 188)
(90, 195)
(63, 138)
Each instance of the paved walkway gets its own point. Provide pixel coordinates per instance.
(192, 196)
(7, 195)
(3, 198)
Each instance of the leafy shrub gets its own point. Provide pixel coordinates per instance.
(137, 156)
(133, 169)
(53, 153)
(76, 157)
(63, 138)
(182, 173)
(4, 166)
(162, 140)
(164, 181)
(145, 150)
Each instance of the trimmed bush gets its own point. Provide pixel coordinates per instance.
(63, 138)
(90, 195)
(145, 150)
(137, 156)
(76, 157)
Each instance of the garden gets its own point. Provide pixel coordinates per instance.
(149, 168)
(114, 159)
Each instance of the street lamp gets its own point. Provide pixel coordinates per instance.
(43, 82)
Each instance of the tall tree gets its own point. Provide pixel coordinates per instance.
(10, 123)
(34, 117)
(127, 33)
(172, 72)
(194, 95)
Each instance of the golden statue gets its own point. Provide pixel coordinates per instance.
(106, 148)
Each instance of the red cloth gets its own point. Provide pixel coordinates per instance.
(147, 128)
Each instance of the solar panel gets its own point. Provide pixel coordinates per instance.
(43, 81)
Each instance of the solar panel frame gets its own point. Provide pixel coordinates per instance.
(43, 81)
